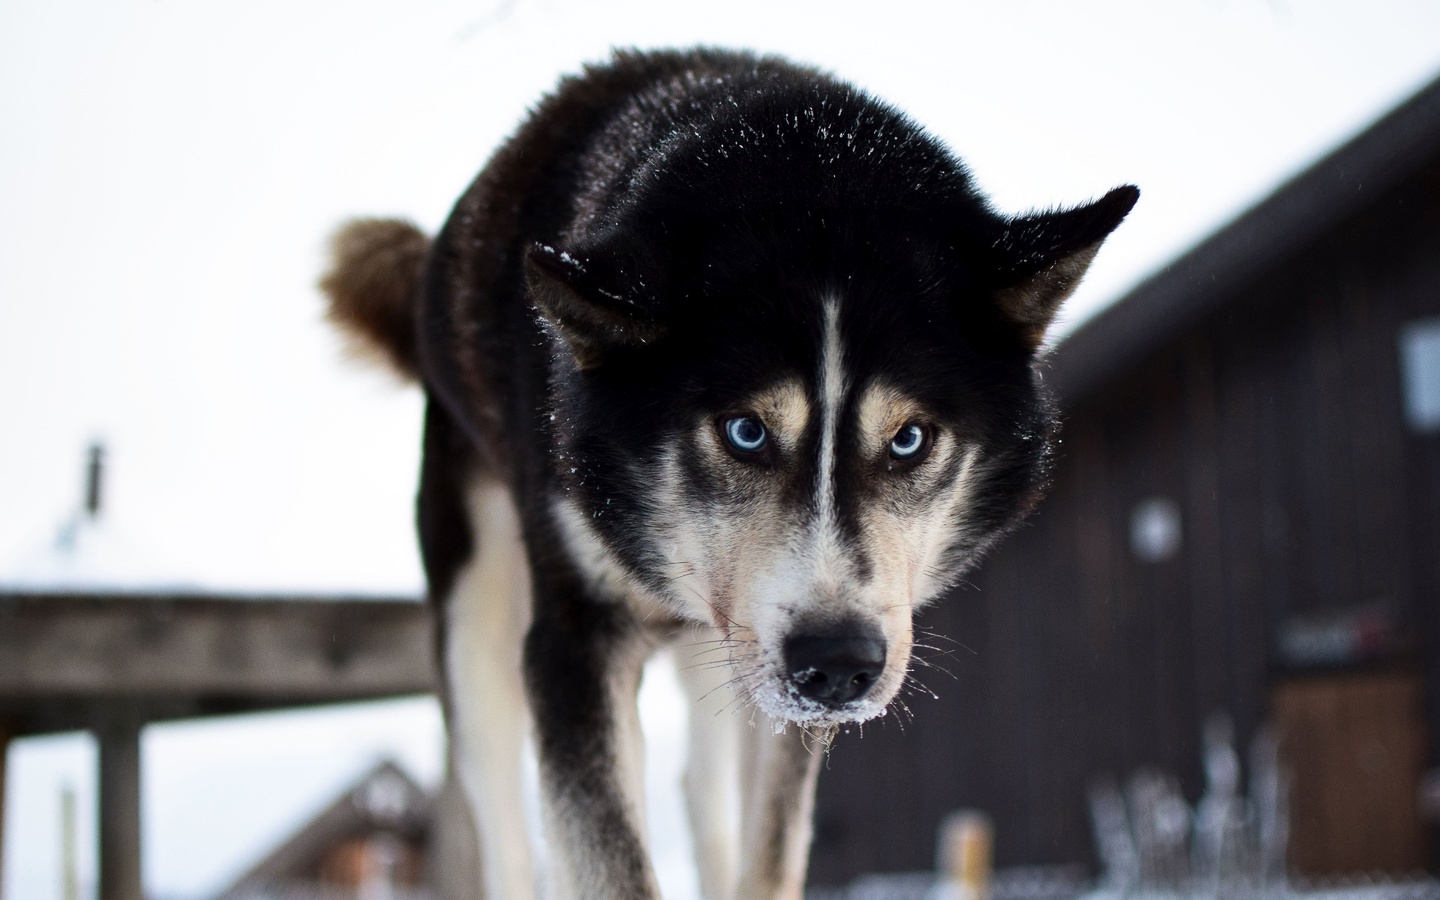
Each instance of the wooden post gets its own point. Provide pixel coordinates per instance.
(967, 841)
(119, 738)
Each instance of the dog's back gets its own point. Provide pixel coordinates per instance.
(461, 316)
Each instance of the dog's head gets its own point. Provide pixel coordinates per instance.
(796, 394)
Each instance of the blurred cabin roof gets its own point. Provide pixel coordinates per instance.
(383, 800)
(1291, 218)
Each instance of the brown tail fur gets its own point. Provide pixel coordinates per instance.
(373, 286)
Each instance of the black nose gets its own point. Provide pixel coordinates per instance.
(836, 665)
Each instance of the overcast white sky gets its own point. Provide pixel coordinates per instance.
(169, 171)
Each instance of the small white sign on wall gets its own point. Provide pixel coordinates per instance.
(1420, 374)
(1155, 533)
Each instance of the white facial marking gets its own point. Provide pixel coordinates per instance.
(824, 565)
(832, 398)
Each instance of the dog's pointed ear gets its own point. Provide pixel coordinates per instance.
(592, 318)
(1042, 257)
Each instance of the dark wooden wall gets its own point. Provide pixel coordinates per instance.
(1276, 426)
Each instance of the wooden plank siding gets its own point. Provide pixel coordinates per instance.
(1275, 423)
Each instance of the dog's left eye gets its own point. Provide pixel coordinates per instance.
(910, 442)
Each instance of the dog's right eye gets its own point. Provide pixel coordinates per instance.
(746, 434)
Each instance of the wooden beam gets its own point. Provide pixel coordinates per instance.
(62, 657)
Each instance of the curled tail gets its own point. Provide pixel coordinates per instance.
(374, 286)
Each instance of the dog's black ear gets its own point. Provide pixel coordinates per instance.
(1042, 257)
(592, 318)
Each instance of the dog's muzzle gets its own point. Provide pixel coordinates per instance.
(836, 665)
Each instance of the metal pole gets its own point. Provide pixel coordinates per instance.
(69, 854)
(119, 736)
(94, 474)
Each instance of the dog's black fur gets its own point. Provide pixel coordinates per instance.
(648, 251)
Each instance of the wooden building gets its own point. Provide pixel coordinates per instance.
(1245, 518)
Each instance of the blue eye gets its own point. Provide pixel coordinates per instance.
(909, 442)
(746, 434)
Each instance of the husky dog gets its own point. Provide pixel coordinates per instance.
(724, 354)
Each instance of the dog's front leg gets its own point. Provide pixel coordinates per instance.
(486, 616)
(583, 661)
(711, 767)
(778, 777)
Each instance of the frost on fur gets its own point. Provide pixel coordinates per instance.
(374, 277)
